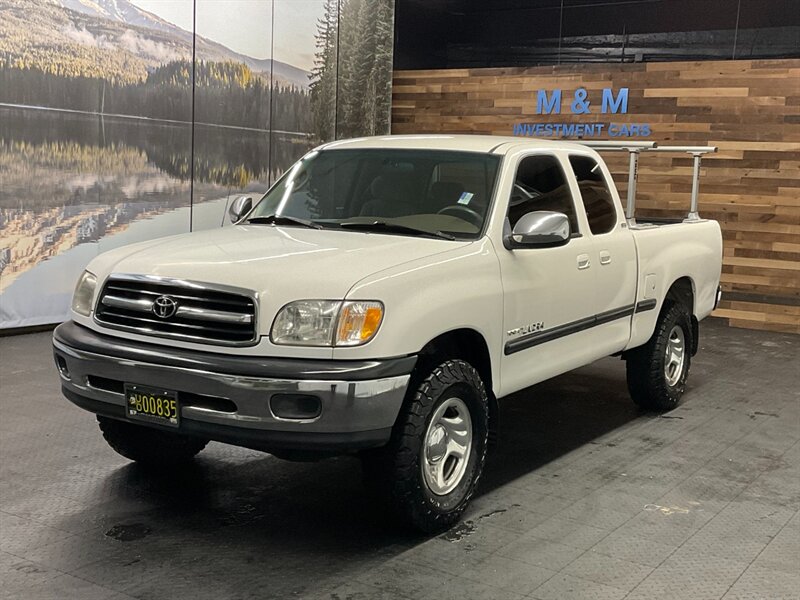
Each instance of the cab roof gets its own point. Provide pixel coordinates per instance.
(465, 143)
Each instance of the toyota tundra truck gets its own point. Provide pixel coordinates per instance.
(380, 299)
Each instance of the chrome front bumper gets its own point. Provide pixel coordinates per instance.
(229, 397)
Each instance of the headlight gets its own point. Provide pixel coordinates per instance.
(306, 323)
(84, 293)
(326, 323)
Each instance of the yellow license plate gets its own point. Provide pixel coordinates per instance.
(153, 405)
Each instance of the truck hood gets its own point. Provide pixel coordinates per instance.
(281, 264)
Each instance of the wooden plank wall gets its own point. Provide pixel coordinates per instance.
(750, 109)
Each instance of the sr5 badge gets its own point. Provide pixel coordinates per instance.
(525, 329)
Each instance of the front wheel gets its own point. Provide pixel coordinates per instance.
(428, 472)
(658, 370)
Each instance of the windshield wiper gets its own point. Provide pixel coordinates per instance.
(283, 220)
(394, 228)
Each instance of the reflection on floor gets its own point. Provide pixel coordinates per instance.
(584, 497)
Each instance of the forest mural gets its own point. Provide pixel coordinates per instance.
(123, 120)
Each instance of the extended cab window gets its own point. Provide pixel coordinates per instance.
(540, 184)
(597, 199)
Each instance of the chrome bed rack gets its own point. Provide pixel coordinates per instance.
(634, 149)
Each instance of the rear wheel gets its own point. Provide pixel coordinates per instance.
(428, 472)
(149, 446)
(658, 370)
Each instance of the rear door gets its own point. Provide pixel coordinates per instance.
(613, 252)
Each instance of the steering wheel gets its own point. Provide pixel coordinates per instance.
(464, 213)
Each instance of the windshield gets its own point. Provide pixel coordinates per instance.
(400, 192)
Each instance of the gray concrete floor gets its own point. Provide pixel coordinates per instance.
(585, 497)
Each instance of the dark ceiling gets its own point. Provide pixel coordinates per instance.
(470, 33)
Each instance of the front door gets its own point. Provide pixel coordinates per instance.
(547, 290)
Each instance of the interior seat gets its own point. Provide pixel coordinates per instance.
(391, 197)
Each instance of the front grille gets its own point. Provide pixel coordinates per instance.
(178, 309)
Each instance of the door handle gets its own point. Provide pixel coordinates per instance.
(605, 257)
(583, 261)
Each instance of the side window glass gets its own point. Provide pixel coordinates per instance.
(540, 184)
(597, 199)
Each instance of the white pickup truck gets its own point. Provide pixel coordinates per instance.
(380, 298)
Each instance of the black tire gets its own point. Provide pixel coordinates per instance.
(395, 472)
(151, 447)
(648, 382)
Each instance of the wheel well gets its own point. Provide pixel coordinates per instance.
(470, 346)
(682, 292)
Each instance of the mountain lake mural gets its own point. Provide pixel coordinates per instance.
(122, 121)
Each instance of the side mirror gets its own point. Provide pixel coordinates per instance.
(239, 208)
(539, 228)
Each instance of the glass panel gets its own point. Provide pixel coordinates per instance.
(364, 67)
(112, 170)
(304, 46)
(336, 187)
(233, 71)
(595, 195)
(540, 185)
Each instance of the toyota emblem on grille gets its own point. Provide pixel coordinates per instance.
(164, 307)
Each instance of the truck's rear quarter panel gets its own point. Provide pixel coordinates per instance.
(668, 253)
